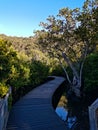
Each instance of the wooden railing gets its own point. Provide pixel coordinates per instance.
(93, 115)
(4, 112)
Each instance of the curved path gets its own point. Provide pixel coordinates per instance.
(35, 112)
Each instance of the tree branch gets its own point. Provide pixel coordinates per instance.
(65, 72)
(82, 64)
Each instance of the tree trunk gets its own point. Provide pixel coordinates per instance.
(76, 86)
(76, 83)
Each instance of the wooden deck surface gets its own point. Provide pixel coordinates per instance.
(35, 111)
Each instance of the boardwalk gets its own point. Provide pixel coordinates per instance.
(35, 112)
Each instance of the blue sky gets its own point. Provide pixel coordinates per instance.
(22, 17)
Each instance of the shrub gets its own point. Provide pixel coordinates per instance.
(3, 90)
(56, 70)
(38, 72)
(91, 73)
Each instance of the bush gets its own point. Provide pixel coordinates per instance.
(38, 72)
(3, 90)
(91, 73)
(19, 75)
(7, 57)
(56, 70)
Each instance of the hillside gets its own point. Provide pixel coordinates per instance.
(25, 46)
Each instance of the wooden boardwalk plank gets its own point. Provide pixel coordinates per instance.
(35, 112)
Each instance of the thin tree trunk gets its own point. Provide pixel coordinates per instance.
(82, 64)
(70, 64)
(64, 69)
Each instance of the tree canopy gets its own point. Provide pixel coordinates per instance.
(71, 36)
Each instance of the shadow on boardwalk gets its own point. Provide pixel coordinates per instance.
(35, 112)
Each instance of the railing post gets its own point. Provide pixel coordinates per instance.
(4, 110)
(93, 115)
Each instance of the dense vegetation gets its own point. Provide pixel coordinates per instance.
(90, 78)
(26, 62)
(23, 65)
(19, 70)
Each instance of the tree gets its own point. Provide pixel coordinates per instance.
(70, 37)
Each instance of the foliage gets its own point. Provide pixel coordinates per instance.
(19, 76)
(88, 29)
(38, 72)
(19, 71)
(13, 70)
(25, 46)
(56, 70)
(91, 73)
(70, 37)
(7, 56)
(3, 90)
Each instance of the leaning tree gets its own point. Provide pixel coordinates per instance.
(71, 36)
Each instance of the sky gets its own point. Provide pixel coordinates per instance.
(22, 17)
